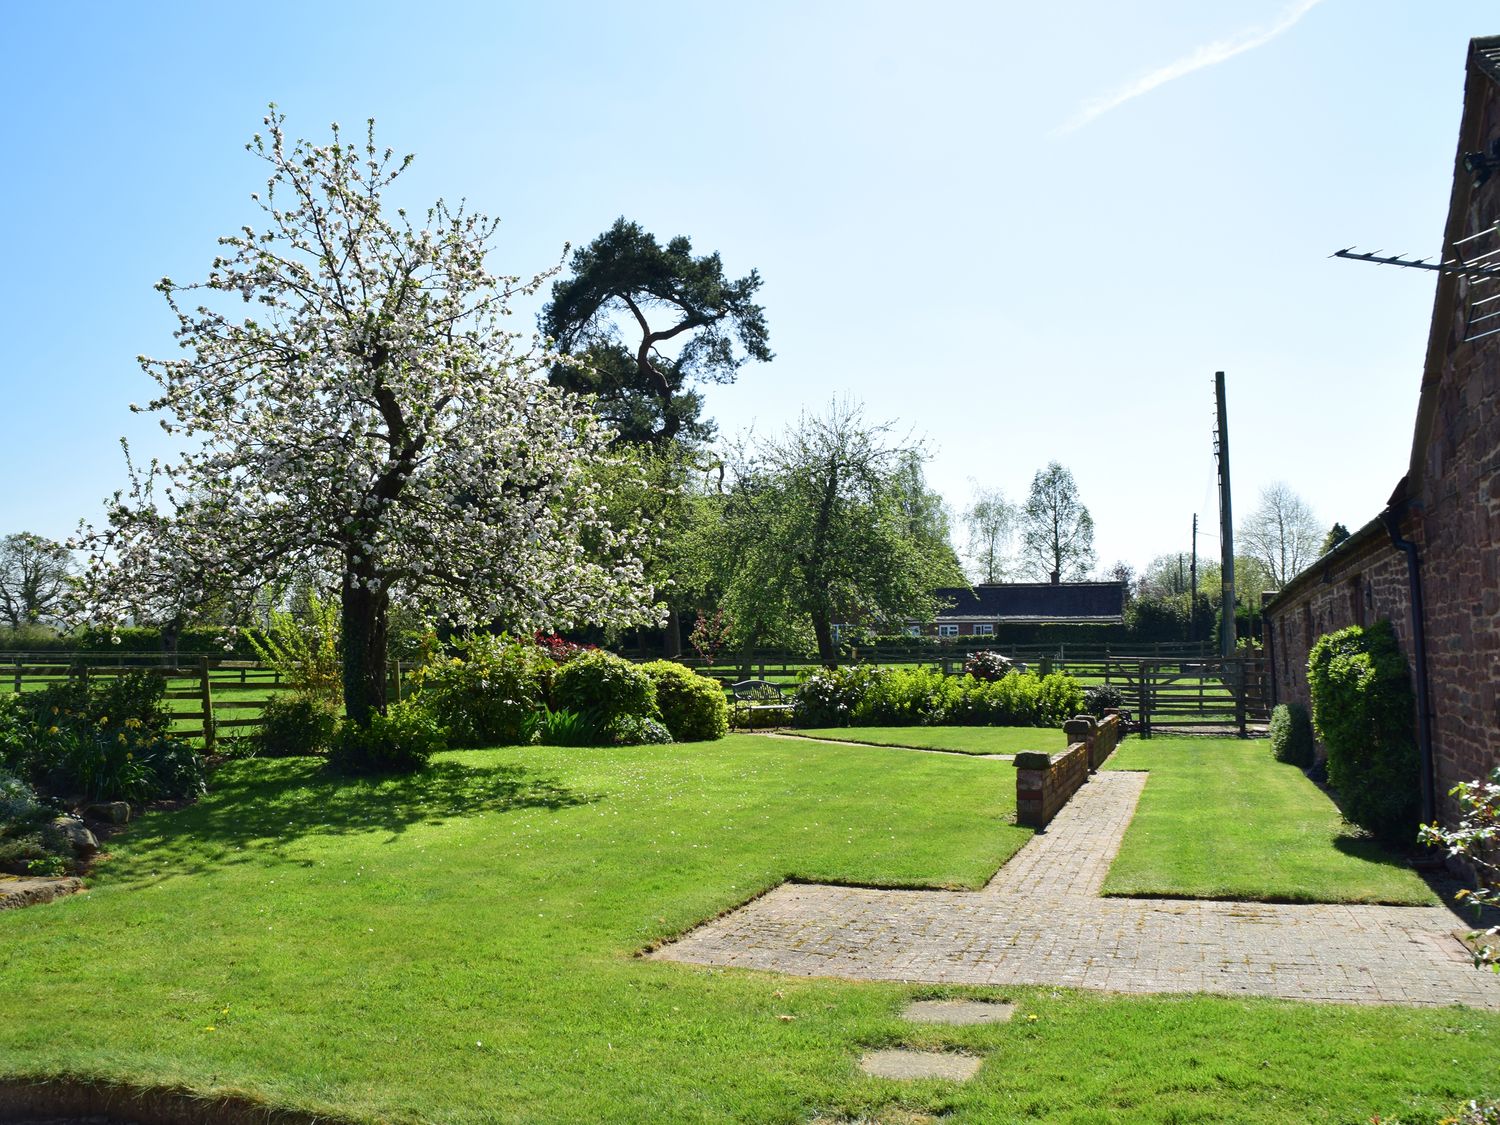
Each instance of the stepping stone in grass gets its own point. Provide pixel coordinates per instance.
(900, 1063)
(958, 1012)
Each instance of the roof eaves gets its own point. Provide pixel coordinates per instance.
(1358, 541)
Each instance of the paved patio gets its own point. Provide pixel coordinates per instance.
(1041, 921)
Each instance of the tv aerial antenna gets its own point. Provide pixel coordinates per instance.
(1475, 262)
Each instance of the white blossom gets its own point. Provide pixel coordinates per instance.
(366, 418)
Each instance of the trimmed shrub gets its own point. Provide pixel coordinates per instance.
(400, 741)
(1292, 735)
(485, 695)
(692, 707)
(604, 687)
(1023, 699)
(1059, 698)
(636, 730)
(1364, 714)
(1101, 698)
(292, 725)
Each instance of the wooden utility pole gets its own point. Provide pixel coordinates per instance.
(1226, 522)
(1193, 588)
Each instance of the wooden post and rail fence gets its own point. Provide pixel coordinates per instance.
(229, 694)
(1184, 690)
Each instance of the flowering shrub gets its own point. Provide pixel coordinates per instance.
(829, 696)
(307, 653)
(605, 687)
(1477, 841)
(295, 724)
(559, 649)
(485, 695)
(986, 665)
(102, 739)
(711, 634)
(1364, 714)
(400, 741)
(693, 707)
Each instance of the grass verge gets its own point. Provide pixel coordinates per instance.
(1221, 818)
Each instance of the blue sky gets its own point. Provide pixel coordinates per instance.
(1027, 232)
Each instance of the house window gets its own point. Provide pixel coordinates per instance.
(947, 630)
(1357, 599)
(914, 630)
(984, 629)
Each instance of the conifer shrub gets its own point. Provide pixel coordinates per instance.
(1292, 735)
(1364, 714)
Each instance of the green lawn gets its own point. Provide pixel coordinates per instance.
(960, 740)
(1221, 818)
(459, 948)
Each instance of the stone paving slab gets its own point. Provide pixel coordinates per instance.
(904, 1064)
(958, 1013)
(1041, 921)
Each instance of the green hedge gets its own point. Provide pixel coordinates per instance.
(196, 640)
(1292, 735)
(1364, 714)
(864, 696)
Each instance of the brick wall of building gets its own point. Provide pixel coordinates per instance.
(1451, 505)
(1359, 585)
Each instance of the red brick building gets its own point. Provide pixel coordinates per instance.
(1430, 562)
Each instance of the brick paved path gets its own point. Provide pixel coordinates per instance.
(1041, 921)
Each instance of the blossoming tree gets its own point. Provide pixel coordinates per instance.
(368, 419)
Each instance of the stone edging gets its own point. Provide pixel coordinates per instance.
(19, 890)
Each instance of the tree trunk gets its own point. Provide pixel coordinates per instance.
(363, 617)
(823, 631)
(672, 637)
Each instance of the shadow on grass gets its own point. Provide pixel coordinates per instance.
(1360, 846)
(261, 805)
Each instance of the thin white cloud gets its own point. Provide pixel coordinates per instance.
(1209, 54)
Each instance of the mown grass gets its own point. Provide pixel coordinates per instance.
(457, 947)
(958, 740)
(1221, 818)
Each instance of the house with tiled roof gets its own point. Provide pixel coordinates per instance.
(979, 610)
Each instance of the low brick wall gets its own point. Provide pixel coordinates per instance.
(1044, 782)
(1101, 736)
